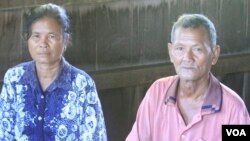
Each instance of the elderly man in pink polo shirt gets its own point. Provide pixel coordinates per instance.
(192, 105)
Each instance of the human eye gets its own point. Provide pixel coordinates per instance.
(179, 50)
(35, 36)
(52, 36)
(197, 49)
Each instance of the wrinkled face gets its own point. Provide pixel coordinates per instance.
(192, 54)
(46, 41)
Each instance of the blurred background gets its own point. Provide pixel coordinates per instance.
(122, 44)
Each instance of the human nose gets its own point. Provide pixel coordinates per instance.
(188, 55)
(43, 42)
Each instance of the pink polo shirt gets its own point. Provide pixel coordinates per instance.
(159, 119)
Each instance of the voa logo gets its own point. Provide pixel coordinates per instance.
(236, 132)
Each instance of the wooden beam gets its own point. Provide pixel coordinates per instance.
(131, 76)
(232, 64)
(139, 75)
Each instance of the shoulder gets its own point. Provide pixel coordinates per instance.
(164, 82)
(81, 78)
(74, 71)
(159, 88)
(79, 72)
(14, 73)
(231, 98)
(22, 65)
(234, 106)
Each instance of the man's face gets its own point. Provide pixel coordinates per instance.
(46, 41)
(192, 54)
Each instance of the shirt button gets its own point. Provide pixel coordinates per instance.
(180, 122)
(42, 97)
(39, 118)
(182, 136)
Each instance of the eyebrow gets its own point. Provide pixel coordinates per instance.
(37, 32)
(197, 45)
(181, 44)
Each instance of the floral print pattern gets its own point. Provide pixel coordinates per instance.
(68, 110)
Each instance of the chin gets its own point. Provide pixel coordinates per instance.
(187, 77)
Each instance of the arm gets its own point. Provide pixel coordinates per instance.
(235, 107)
(239, 114)
(101, 128)
(7, 113)
(143, 126)
(93, 124)
(12, 106)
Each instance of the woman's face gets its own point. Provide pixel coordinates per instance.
(46, 43)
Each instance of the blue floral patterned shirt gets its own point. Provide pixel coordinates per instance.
(68, 110)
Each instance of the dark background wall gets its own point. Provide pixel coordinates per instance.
(123, 45)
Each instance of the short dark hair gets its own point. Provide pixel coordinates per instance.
(46, 10)
(195, 21)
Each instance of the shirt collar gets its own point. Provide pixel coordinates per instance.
(64, 76)
(213, 100)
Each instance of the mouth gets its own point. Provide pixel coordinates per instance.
(43, 54)
(188, 67)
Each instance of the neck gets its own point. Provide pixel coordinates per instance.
(47, 74)
(190, 97)
(193, 89)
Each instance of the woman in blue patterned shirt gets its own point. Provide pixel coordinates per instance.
(48, 99)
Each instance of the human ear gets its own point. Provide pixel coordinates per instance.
(66, 41)
(216, 54)
(170, 52)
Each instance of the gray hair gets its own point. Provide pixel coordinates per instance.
(195, 21)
